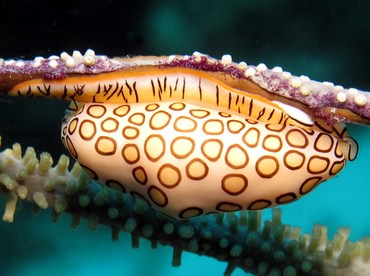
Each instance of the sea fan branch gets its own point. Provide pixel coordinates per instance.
(240, 240)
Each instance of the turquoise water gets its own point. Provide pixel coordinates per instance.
(329, 41)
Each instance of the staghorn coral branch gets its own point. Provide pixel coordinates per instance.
(239, 240)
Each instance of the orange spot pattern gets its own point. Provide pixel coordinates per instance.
(187, 161)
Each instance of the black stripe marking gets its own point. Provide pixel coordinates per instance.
(160, 95)
(65, 92)
(271, 114)
(159, 86)
(200, 88)
(250, 107)
(29, 91)
(46, 92)
(153, 87)
(121, 92)
(177, 81)
(79, 89)
(229, 103)
(217, 95)
(48, 87)
(135, 91)
(261, 113)
(114, 91)
(106, 89)
(183, 89)
(281, 117)
(96, 93)
(129, 87)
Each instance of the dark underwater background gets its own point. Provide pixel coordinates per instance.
(325, 40)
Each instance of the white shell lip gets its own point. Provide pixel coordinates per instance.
(296, 113)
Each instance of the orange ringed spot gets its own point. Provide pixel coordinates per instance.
(296, 138)
(140, 175)
(87, 130)
(224, 114)
(234, 184)
(294, 160)
(318, 164)
(251, 137)
(236, 157)
(96, 111)
(130, 132)
(337, 167)
(267, 166)
(235, 126)
(121, 110)
(259, 204)
(309, 184)
(199, 113)
(197, 169)
(105, 145)
(182, 147)
(169, 176)
(272, 143)
(213, 127)
(185, 124)
(71, 148)
(72, 126)
(109, 125)
(154, 147)
(324, 142)
(157, 196)
(228, 207)
(130, 153)
(286, 198)
(151, 107)
(137, 119)
(160, 120)
(177, 106)
(212, 149)
(190, 212)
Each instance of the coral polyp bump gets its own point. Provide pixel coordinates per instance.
(193, 135)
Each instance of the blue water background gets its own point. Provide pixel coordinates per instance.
(327, 40)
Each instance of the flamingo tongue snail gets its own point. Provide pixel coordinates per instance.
(193, 135)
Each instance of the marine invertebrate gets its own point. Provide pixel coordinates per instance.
(230, 127)
(25, 178)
